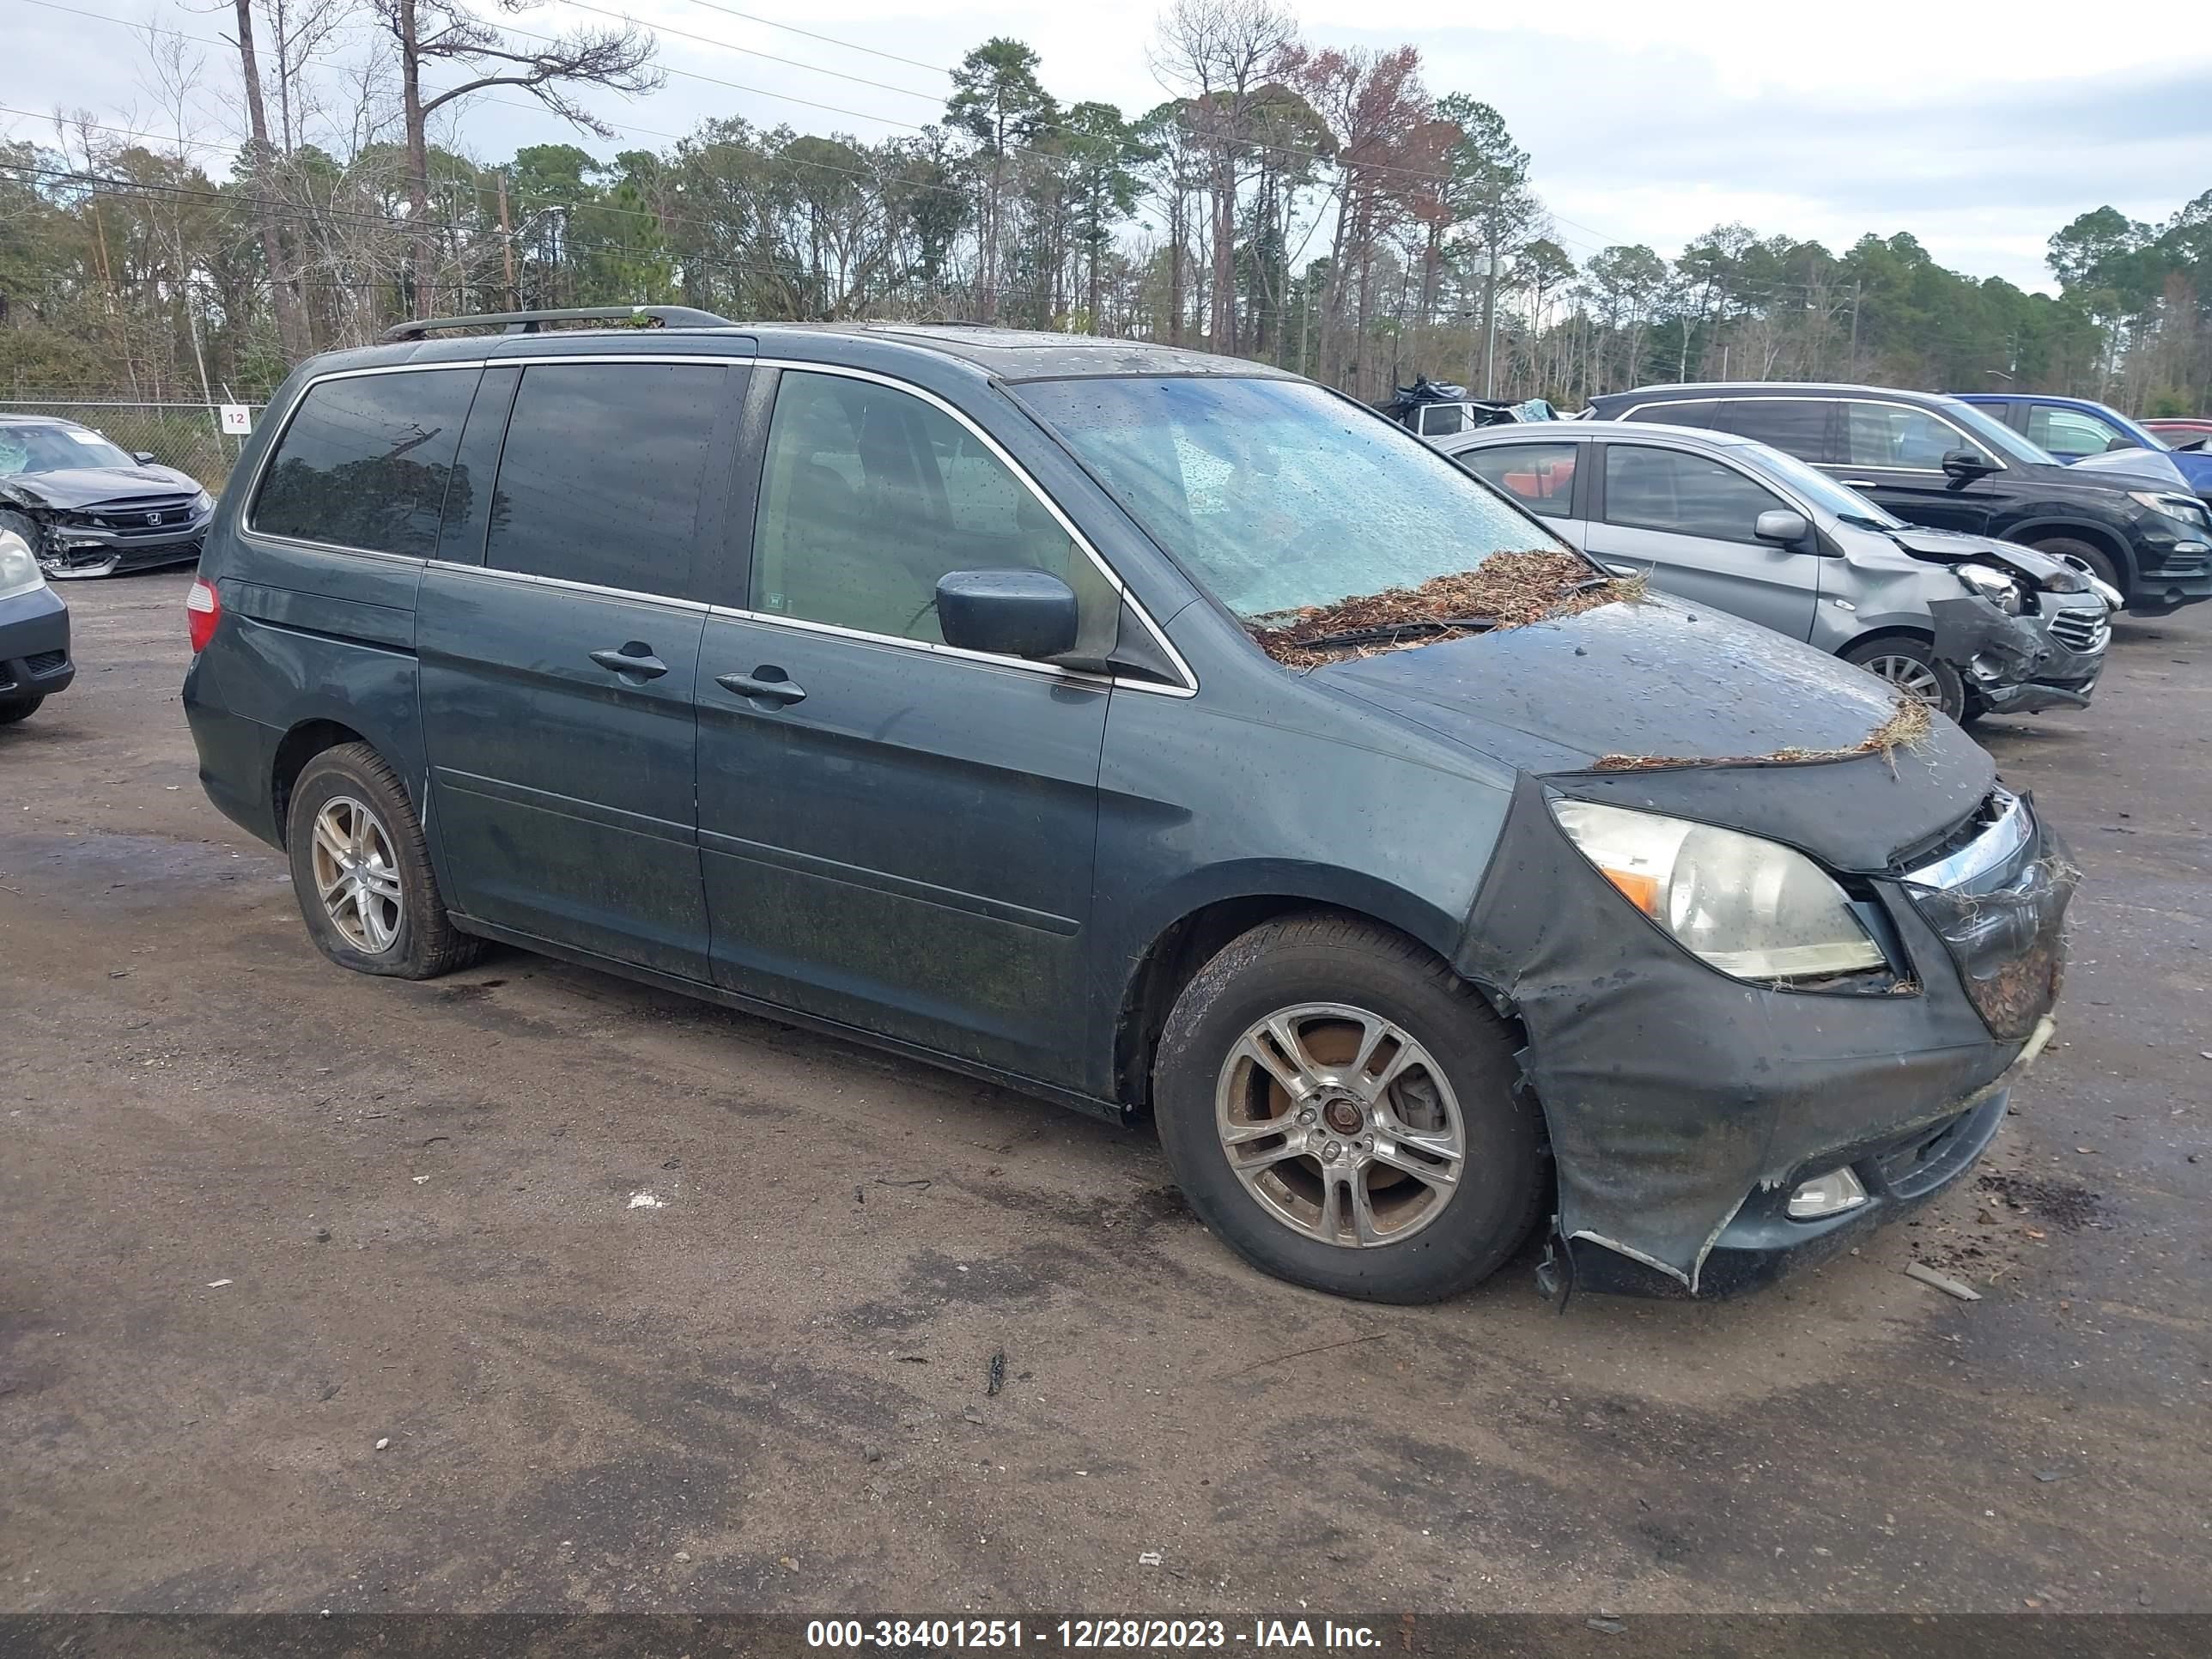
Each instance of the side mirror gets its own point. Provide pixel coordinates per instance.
(143, 457)
(2122, 442)
(1777, 524)
(1965, 464)
(1007, 613)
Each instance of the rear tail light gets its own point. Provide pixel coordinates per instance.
(203, 610)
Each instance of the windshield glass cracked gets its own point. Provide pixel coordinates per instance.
(1278, 495)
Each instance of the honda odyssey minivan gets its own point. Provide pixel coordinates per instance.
(1159, 734)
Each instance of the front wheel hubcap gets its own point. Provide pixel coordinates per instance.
(1340, 1124)
(356, 876)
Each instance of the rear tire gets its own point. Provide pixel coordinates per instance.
(361, 871)
(1408, 1178)
(1912, 666)
(2091, 555)
(23, 709)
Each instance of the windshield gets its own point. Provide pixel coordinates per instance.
(1277, 494)
(1996, 434)
(1824, 492)
(55, 449)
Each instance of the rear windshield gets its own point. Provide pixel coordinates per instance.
(1277, 494)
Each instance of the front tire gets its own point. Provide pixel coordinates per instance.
(1912, 666)
(1341, 1110)
(21, 709)
(361, 870)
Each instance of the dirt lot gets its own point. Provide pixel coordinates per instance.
(260, 1218)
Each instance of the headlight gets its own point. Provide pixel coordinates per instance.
(202, 502)
(2187, 508)
(1751, 908)
(1995, 585)
(19, 569)
(2067, 579)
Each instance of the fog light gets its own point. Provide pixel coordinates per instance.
(1828, 1195)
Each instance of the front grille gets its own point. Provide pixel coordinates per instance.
(1999, 905)
(2082, 630)
(44, 662)
(128, 518)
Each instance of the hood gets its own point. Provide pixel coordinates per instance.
(2134, 469)
(89, 486)
(1956, 547)
(1663, 679)
(1643, 678)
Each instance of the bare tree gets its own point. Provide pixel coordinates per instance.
(291, 335)
(1219, 56)
(444, 31)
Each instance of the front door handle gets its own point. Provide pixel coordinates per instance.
(758, 684)
(635, 658)
(1860, 483)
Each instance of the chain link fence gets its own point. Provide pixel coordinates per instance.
(187, 436)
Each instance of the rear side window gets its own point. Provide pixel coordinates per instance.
(1666, 490)
(869, 496)
(1795, 426)
(1541, 477)
(365, 462)
(603, 475)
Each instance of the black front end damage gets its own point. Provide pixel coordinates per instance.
(1684, 1106)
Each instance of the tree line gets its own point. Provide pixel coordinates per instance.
(1318, 207)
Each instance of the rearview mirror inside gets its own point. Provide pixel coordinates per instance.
(1007, 613)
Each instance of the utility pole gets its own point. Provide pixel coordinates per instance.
(506, 245)
(1851, 367)
(1489, 323)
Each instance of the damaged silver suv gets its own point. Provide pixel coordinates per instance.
(1154, 733)
(1972, 625)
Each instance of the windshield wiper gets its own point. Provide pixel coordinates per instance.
(1391, 633)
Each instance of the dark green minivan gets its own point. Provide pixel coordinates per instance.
(1158, 734)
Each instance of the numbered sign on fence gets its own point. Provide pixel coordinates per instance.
(237, 420)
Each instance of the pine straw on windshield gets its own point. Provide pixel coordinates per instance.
(1506, 590)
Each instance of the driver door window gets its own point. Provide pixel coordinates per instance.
(2071, 433)
(869, 495)
(1688, 494)
(1902, 439)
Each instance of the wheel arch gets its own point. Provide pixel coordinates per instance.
(301, 743)
(1170, 950)
(2108, 542)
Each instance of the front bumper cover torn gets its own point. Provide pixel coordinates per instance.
(1675, 1093)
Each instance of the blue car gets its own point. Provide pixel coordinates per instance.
(2074, 428)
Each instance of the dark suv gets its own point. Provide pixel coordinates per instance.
(1940, 462)
(994, 697)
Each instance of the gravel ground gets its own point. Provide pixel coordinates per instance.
(323, 1292)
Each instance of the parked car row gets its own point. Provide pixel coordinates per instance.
(1160, 734)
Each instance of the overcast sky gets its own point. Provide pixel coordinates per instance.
(1980, 130)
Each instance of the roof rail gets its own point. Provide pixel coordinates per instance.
(533, 322)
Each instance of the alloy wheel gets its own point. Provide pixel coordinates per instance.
(1340, 1124)
(1909, 675)
(356, 875)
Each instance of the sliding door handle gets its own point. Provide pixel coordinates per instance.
(777, 691)
(634, 659)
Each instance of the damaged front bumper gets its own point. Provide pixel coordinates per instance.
(2021, 665)
(1685, 1106)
